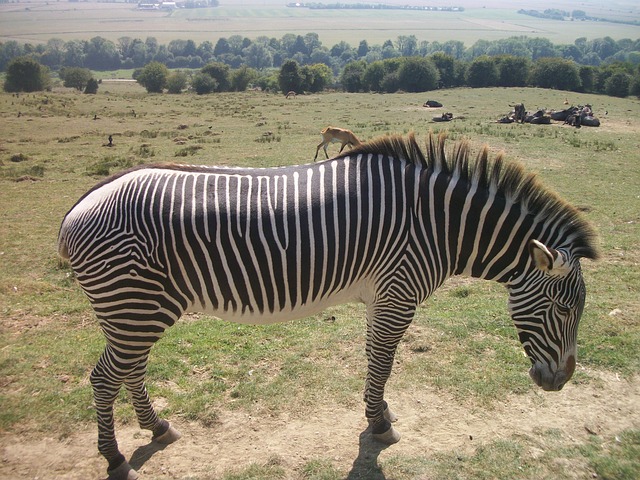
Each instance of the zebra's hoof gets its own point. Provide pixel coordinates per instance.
(123, 472)
(389, 415)
(170, 436)
(389, 437)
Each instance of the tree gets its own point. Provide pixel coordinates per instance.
(482, 72)
(603, 47)
(352, 77)
(258, 56)
(513, 71)
(24, 74)
(177, 47)
(220, 73)
(391, 82)
(617, 85)
(312, 42)
(540, 47)
(363, 49)
(407, 45)
(74, 55)
(203, 83)
(102, 54)
(555, 73)
(153, 77)
(373, 76)
(634, 88)
(176, 82)
(242, 77)
(205, 50)
(587, 78)
(446, 68)
(92, 86)
(222, 47)
(418, 74)
(75, 77)
(289, 78)
(316, 77)
(53, 55)
(455, 48)
(8, 51)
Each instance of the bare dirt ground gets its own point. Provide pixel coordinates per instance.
(429, 422)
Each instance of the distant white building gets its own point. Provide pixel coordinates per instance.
(158, 6)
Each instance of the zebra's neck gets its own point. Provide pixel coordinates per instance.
(473, 231)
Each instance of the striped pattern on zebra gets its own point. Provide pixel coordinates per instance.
(385, 224)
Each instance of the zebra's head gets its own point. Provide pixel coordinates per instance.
(546, 305)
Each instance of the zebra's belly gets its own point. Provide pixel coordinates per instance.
(253, 316)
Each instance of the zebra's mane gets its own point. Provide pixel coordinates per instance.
(508, 178)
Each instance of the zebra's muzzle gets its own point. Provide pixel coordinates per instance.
(551, 381)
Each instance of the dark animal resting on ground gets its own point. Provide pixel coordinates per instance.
(562, 115)
(530, 116)
(590, 121)
(338, 135)
(445, 117)
(574, 116)
(385, 224)
(505, 119)
(542, 120)
(432, 104)
(582, 115)
(538, 118)
(519, 112)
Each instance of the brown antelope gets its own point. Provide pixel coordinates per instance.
(335, 134)
(290, 94)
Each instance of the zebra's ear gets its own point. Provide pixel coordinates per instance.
(548, 259)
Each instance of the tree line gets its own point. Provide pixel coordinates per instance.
(305, 65)
(263, 52)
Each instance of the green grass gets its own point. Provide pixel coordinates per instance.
(462, 343)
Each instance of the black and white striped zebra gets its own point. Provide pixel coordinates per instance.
(385, 224)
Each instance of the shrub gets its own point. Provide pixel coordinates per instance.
(176, 82)
(92, 86)
(617, 85)
(24, 74)
(202, 83)
(153, 77)
(76, 77)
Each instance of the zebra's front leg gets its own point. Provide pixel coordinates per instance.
(383, 337)
(377, 410)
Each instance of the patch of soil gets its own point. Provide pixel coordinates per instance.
(429, 422)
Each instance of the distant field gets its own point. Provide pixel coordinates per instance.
(37, 22)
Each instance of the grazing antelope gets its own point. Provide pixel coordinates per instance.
(290, 94)
(335, 134)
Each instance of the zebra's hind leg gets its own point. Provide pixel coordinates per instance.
(106, 380)
(148, 419)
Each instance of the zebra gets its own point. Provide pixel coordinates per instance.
(384, 224)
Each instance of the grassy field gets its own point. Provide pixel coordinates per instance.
(462, 346)
(492, 20)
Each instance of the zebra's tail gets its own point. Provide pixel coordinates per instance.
(63, 247)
